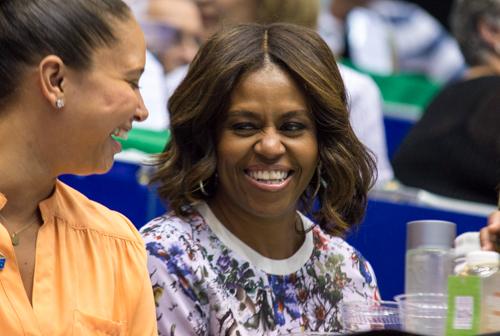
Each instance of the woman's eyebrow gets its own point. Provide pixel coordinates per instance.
(295, 113)
(247, 113)
(242, 113)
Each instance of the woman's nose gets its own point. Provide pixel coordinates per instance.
(141, 113)
(270, 145)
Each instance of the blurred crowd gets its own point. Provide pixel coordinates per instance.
(381, 37)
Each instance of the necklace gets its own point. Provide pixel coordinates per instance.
(14, 236)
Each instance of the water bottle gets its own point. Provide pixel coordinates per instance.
(465, 243)
(429, 256)
(475, 296)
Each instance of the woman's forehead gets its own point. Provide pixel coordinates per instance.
(129, 51)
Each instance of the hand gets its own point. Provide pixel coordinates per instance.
(490, 235)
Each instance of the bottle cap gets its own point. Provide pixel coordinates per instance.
(482, 258)
(467, 242)
(430, 233)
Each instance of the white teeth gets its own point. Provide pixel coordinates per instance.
(120, 133)
(269, 176)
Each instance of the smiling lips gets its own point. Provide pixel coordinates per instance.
(121, 133)
(269, 180)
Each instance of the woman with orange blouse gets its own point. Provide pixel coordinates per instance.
(68, 266)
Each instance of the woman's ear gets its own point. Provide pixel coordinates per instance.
(52, 72)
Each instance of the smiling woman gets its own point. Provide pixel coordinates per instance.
(266, 150)
(69, 71)
(260, 129)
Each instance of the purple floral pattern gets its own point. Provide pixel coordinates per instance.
(203, 288)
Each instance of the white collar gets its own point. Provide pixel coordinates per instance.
(268, 265)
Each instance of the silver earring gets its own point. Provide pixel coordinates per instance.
(320, 181)
(323, 182)
(59, 103)
(202, 188)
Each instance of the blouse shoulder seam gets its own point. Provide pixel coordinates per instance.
(101, 232)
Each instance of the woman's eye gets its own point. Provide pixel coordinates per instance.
(244, 128)
(292, 127)
(134, 84)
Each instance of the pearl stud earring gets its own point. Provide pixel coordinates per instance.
(59, 103)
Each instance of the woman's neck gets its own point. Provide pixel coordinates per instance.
(274, 238)
(24, 177)
(23, 193)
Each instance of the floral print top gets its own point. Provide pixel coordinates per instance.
(208, 282)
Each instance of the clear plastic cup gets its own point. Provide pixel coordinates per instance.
(370, 315)
(423, 313)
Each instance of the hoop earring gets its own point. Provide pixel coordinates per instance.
(202, 188)
(319, 181)
(59, 103)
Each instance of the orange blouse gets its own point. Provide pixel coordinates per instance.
(90, 274)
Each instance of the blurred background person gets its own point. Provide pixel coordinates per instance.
(365, 101)
(219, 13)
(152, 86)
(454, 150)
(173, 31)
(70, 71)
(260, 130)
(387, 36)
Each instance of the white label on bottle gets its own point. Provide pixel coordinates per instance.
(464, 312)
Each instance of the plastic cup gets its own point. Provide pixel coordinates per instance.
(423, 313)
(370, 315)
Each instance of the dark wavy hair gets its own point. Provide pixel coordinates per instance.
(200, 104)
(70, 29)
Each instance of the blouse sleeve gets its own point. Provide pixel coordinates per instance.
(180, 300)
(144, 322)
(363, 283)
(375, 293)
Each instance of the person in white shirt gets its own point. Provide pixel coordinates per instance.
(402, 38)
(173, 31)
